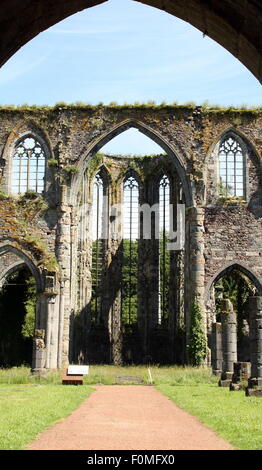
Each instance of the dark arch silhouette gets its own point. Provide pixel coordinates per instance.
(236, 26)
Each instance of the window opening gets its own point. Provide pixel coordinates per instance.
(28, 169)
(231, 168)
(164, 254)
(130, 251)
(97, 247)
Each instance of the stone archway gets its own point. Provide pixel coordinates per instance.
(18, 301)
(237, 26)
(233, 285)
(46, 352)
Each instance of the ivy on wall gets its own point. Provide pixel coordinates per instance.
(197, 348)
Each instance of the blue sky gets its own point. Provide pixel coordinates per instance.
(125, 52)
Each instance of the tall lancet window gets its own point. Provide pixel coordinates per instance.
(97, 246)
(28, 166)
(231, 168)
(164, 254)
(130, 250)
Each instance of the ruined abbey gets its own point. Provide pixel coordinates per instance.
(71, 220)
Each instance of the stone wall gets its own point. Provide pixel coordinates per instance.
(218, 232)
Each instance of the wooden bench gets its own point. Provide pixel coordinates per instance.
(69, 379)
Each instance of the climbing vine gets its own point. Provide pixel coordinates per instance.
(197, 348)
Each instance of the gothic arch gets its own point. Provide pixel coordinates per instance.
(133, 174)
(25, 129)
(244, 141)
(236, 26)
(239, 266)
(250, 154)
(25, 260)
(171, 150)
(14, 267)
(105, 175)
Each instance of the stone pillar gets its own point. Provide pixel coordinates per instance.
(229, 342)
(255, 322)
(148, 270)
(51, 331)
(216, 349)
(195, 272)
(241, 373)
(63, 252)
(61, 324)
(113, 276)
(197, 260)
(39, 351)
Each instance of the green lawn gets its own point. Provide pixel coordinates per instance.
(30, 404)
(26, 410)
(231, 415)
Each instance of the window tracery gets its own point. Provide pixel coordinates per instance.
(28, 166)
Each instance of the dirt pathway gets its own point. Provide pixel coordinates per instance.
(128, 417)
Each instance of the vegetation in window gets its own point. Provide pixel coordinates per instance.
(164, 259)
(28, 326)
(97, 266)
(17, 318)
(129, 282)
(226, 197)
(236, 287)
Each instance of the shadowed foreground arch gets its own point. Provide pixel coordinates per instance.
(235, 25)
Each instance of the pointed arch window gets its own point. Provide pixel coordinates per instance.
(130, 250)
(231, 168)
(98, 221)
(28, 166)
(164, 254)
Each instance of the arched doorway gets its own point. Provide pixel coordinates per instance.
(17, 316)
(236, 283)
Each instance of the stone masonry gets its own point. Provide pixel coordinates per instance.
(56, 245)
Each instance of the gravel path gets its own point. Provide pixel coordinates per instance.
(130, 417)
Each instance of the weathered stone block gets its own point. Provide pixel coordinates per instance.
(253, 392)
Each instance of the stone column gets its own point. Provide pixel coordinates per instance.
(216, 349)
(255, 321)
(229, 342)
(241, 373)
(113, 276)
(51, 331)
(39, 352)
(63, 252)
(195, 272)
(61, 324)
